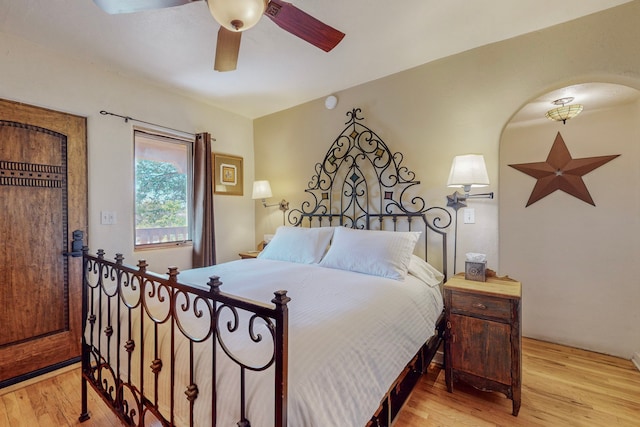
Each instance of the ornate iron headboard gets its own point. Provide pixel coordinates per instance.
(362, 184)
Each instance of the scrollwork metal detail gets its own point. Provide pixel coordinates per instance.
(360, 178)
(185, 305)
(233, 325)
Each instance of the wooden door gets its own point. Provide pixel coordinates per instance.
(43, 199)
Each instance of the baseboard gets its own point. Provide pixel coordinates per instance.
(636, 360)
(38, 375)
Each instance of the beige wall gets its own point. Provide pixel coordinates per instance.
(457, 105)
(32, 75)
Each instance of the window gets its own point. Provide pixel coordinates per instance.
(163, 189)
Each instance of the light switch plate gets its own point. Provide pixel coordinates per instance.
(107, 217)
(469, 216)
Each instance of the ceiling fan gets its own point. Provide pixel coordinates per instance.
(236, 16)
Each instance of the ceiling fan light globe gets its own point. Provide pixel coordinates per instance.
(237, 15)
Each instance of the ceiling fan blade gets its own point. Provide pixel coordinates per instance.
(227, 50)
(127, 6)
(303, 25)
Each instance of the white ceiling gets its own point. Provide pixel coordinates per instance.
(175, 47)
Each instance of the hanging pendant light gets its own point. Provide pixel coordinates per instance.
(564, 112)
(237, 15)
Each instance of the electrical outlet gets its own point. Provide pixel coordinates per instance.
(469, 216)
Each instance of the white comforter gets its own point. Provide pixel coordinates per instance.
(350, 336)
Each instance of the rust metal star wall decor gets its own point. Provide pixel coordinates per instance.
(561, 172)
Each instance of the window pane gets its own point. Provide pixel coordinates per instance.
(162, 189)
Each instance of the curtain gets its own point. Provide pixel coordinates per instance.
(204, 248)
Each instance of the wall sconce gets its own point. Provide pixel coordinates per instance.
(467, 171)
(262, 190)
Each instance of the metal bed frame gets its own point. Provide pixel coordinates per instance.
(359, 184)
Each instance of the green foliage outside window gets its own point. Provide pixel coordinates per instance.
(161, 195)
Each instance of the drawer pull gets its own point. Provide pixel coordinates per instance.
(479, 305)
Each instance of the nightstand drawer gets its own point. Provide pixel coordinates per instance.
(482, 305)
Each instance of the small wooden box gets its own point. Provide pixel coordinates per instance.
(475, 271)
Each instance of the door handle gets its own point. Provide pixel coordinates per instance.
(76, 245)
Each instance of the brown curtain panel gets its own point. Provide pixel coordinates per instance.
(204, 248)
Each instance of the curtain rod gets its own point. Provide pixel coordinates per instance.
(127, 118)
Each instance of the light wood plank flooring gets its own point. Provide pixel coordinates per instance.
(562, 386)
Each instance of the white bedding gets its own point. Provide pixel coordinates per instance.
(350, 336)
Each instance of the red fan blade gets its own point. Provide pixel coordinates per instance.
(127, 6)
(227, 50)
(303, 25)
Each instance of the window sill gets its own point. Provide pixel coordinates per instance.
(166, 245)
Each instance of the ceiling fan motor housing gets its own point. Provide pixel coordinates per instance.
(237, 15)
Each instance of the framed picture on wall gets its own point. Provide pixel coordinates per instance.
(227, 174)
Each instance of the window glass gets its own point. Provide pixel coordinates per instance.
(162, 190)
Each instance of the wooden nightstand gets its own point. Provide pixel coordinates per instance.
(249, 254)
(483, 337)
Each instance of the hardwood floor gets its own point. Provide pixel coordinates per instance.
(54, 401)
(562, 386)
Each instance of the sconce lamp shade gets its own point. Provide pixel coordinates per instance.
(237, 15)
(468, 171)
(261, 190)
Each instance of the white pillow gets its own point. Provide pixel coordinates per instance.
(298, 244)
(425, 271)
(375, 252)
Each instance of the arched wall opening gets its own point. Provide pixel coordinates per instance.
(576, 261)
